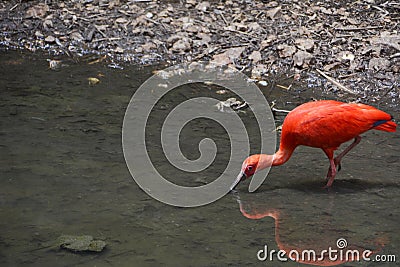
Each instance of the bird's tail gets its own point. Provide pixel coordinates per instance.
(388, 126)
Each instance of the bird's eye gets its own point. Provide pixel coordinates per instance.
(249, 168)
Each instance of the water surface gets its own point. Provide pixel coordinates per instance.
(63, 172)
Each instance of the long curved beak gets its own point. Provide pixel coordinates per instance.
(239, 178)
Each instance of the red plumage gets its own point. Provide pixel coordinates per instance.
(328, 123)
(323, 124)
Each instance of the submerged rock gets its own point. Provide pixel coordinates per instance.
(83, 243)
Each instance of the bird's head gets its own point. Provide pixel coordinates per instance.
(251, 165)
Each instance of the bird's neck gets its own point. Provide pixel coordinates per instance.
(281, 156)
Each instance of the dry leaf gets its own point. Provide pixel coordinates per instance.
(189, 27)
(273, 12)
(302, 58)
(267, 42)
(181, 45)
(378, 64)
(331, 66)
(50, 39)
(119, 50)
(325, 11)
(204, 36)
(37, 11)
(254, 26)
(203, 6)
(101, 28)
(48, 24)
(304, 44)
(228, 56)
(121, 20)
(387, 39)
(76, 36)
(240, 27)
(346, 55)
(191, 2)
(147, 47)
(93, 81)
(221, 59)
(54, 64)
(235, 52)
(286, 50)
(39, 34)
(255, 56)
(353, 21)
(258, 71)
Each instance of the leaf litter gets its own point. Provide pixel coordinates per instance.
(357, 45)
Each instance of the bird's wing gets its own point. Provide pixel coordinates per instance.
(332, 123)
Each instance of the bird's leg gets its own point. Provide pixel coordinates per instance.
(332, 168)
(335, 162)
(341, 155)
(331, 173)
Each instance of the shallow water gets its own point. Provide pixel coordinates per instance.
(63, 172)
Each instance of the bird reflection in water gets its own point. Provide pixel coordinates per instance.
(317, 232)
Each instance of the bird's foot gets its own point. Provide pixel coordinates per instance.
(330, 174)
(328, 184)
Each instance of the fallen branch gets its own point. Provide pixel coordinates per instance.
(395, 55)
(280, 110)
(358, 28)
(15, 6)
(341, 86)
(381, 9)
(284, 87)
(106, 39)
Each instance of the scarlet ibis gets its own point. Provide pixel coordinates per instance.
(324, 124)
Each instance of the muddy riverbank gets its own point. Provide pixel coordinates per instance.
(351, 49)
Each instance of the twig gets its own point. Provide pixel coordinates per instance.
(344, 88)
(347, 76)
(94, 16)
(106, 39)
(73, 13)
(395, 55)
(231, 30)
(276, 109)
(100, 59)
(387, 91)
(358, 28)
(280, 110)
(284, 87)
(298, 14)
(223, 18)
(158, 23)
(382, 10)
(152, 20)
(11, 9)
(393, 5)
